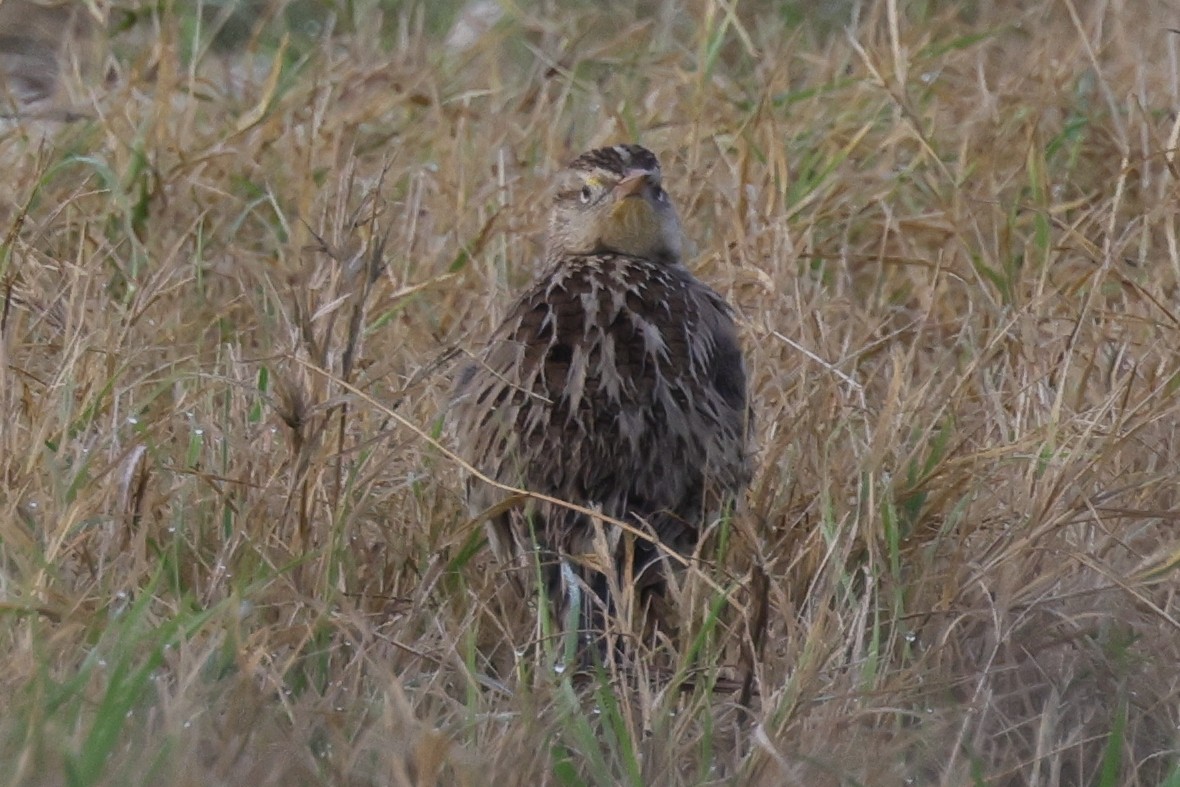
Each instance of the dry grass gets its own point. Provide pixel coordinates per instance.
(231, 551)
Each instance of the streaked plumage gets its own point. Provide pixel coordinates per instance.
(616, 382)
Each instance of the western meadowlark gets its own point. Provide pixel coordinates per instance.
(616, 383)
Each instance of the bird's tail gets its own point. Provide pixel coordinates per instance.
(604, 607)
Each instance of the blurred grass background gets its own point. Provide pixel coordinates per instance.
(242, 245)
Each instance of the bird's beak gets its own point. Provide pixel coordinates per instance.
(632, 184)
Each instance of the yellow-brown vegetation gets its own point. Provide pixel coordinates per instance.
(244, 246)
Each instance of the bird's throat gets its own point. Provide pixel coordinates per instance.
(635, 226)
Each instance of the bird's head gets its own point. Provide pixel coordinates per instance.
(611, 200)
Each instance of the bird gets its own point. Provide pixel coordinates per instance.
(616, 384)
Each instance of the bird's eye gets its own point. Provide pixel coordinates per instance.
(586, 195)
(659, 194)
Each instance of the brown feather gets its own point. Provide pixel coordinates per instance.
(616, 383)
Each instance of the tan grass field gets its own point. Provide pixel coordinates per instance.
(238, 270)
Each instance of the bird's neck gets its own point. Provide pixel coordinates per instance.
(665, 257)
